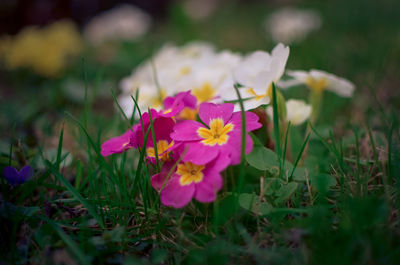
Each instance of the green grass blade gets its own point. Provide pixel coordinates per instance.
(59, 148)
(303, 147)
(154, 141)
(73, 247)
(118, 105)
(243, 140)
(75, 193)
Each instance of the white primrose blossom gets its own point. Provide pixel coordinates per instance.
(124, 22)
(255, 73)
(290, 25)
(319, 81)
(297, 111)
(196, 66)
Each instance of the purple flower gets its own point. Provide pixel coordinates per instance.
(15, 177)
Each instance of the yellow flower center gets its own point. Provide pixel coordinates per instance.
(185, 70)
(167, 111)
(188, 114)
(162, 147)
(189, 173)
(317, 84)
(217, 134)
(157, 101)
(204, 93)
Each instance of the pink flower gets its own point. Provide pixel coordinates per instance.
(131, 138)
(134, 137)
(118, 144)
(182, 106)
(221, 137)
(162, 129)
(188, 180)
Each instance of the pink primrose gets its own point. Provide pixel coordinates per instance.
(118, 144)
(182, 106)
(188, 180)
(221, 137)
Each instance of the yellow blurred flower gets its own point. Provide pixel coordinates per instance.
(45, 50)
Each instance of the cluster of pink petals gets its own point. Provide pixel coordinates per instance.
(192, 153)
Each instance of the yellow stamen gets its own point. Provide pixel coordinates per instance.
(167, 111)
(256, 96)
(190, 173)
(217, 134)
(204, 93)
(162, 147)
(188, 114)
(318, 85)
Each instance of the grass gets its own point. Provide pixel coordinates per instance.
(335, 200)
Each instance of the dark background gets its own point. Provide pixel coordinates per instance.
(16, 14)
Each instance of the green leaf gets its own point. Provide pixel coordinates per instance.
(299, 173)
(323, 182)
(251, 203)
(286, 191)
(262, 158)
(11, 211)
(272, 185)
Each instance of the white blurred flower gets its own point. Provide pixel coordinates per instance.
(297, 111)
(319, 80)
(195, 66)
(256, 72)
(290, 25)
(124, 22)
(213, 78)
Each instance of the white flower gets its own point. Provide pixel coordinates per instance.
(213, 78)
(319, 80)
(292, 25)
(149, 96)
(256, 72)
(297, 111)
(124, 22)
(195, 66)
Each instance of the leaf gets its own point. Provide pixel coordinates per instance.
(272, 185)
(286, 191)
(251, 203)
(262, 158)
(11, 211)
(299, 173)
(323, 182)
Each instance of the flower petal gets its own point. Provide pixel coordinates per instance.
(117, 144)
(186, 131)
(206, 190)
(208, 111)
(199, 154)
(176, 195)
(11, 175)
(26, 173)
(251, 121)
